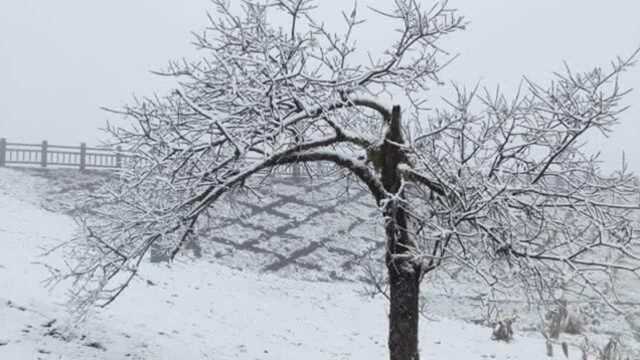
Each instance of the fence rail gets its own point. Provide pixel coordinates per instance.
(84, 157)
(44, 155)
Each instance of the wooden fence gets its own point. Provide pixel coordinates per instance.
(44, 155)
(84, 157)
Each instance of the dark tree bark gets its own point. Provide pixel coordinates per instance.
(404, 274)
(404, 284)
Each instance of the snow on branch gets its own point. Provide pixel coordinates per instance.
(498, 185)
(519, 197)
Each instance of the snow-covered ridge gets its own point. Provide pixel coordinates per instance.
(200, 310)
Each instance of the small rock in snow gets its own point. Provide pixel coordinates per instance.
(49, 323)
(96, 345)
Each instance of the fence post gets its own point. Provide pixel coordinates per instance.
(119, 157)
(3, 151)
(43, 154)
(83, 156)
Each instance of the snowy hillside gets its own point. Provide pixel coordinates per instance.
(195, 310)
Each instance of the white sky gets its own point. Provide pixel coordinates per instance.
(61, 60)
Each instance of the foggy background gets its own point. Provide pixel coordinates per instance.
(60, 61)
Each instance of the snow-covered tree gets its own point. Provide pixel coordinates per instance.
(499, 186)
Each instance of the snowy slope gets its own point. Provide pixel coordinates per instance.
(200, 310)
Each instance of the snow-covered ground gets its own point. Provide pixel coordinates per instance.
(201, 310)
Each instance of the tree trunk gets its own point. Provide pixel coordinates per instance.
(404, 285)
(404, 273)
(403, 311)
